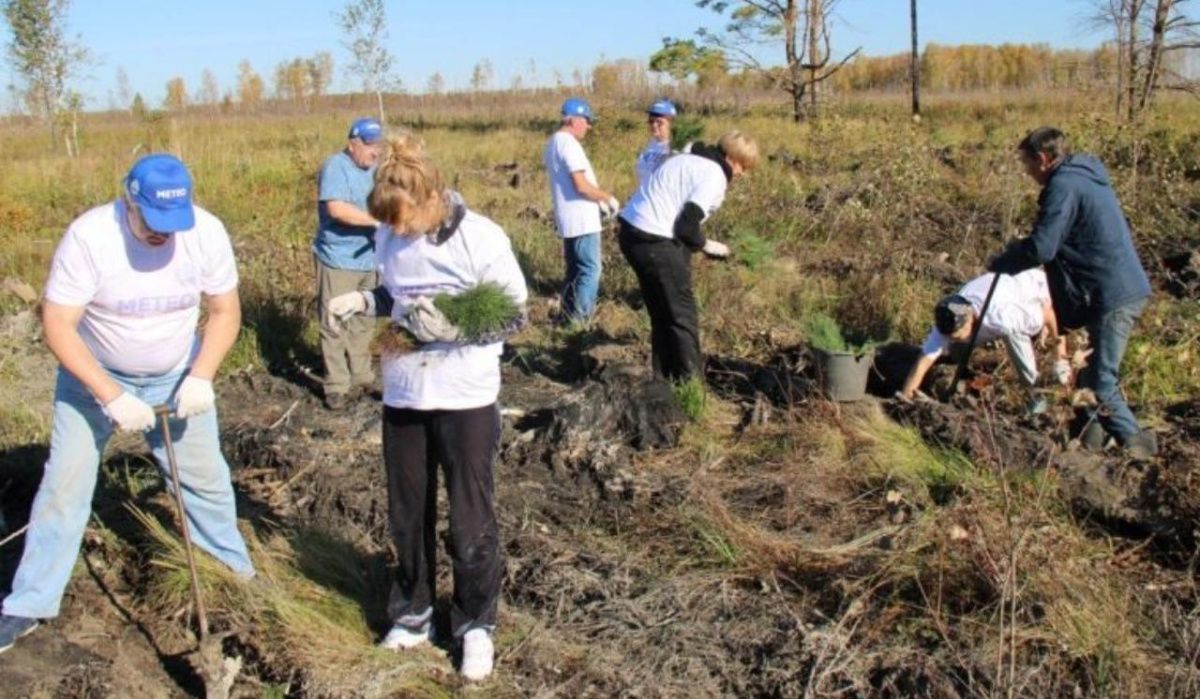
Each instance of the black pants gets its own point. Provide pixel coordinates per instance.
(663, 269)
(464, 443)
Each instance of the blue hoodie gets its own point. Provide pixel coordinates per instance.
(1082, 238)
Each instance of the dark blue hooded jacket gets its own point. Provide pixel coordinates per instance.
(1082, 238)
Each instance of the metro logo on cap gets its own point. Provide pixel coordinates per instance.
(161, 187)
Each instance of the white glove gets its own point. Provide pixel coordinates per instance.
(129, 413)
(1062, 371)
(713, 248)
(610, 208)
(351, 303)
(427, 323)
(195, 396)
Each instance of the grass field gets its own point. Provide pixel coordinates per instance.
(866, 216)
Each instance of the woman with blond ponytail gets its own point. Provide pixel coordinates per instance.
(439, 400)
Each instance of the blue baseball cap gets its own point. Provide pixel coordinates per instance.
(578, 107)
(161, 187)
(663, 108)
(366, 129)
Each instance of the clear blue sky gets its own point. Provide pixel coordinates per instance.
(156, 40)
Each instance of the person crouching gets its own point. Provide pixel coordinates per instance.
(439, 399)
(660, 229)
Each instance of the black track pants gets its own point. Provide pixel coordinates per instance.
(663, 269)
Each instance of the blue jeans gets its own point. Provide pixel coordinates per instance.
(1109, 334)
(582, 255)
(63, 502)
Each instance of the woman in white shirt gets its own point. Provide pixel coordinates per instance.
(659, 118)
(660, 229)
(439, 400)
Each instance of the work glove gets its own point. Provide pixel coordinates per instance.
(917, 397)
(716, 249)
(195, 396)
(343, 306)
(1062, 371)
(129, 413)
(428, 324)
(1036, 405)
(610, 207)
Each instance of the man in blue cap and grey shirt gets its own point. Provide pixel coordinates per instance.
(1095, 277)
(344, 250)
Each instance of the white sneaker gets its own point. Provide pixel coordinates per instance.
(409, 631)
(478, 655)
(402, 638)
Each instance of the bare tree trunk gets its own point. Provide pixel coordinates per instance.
(1117, 11)
(1157, 41)
(795, 70)
(815, 24)
(916, 65)
(1134, 8)
(379, 101)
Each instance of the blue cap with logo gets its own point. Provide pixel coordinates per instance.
(663, 108)
(161, 187)
(366, 129)
(578, 107)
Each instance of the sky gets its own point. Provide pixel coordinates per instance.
(154, 41)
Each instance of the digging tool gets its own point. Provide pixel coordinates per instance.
(217, 671)
(962, 363)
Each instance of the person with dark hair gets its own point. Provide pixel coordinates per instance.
(660, 229)
(1095, 277)
(1020, 311)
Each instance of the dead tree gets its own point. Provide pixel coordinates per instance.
(803, 27)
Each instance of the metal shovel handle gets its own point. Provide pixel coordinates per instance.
(164, 417)
(962, 363)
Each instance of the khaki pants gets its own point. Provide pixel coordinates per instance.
(346, 353)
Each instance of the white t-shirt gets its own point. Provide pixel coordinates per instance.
(574, 214)
(654, 154)
(141, 303)
(442, 376)
(1016, 308)
(682, 178)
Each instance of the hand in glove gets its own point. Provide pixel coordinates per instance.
(1062, 371)
(351, 303)
(129, 413)
(610, 207)
(716, 249)
(428, 324)
(195, 396)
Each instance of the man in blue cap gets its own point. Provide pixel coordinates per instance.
(120, 313)
(344, 251)
(578, 205)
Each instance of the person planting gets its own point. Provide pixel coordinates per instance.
(121, 314)
(1020, 311)
(440, 399)
(578, 204)
(660, 229)
(1095, 277)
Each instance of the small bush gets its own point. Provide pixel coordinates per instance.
(825, 334)
(685, 130)
(692, 398)
(752, 250)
